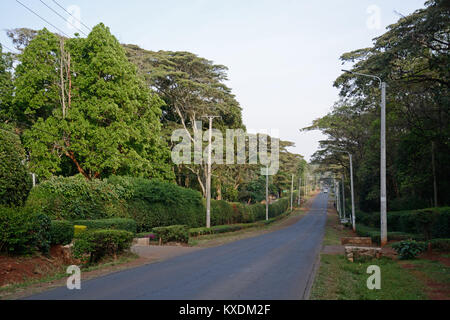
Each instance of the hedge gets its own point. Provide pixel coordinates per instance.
(114, 223)
(430, 223)
(76, 198)
(61, 232)
(177, 233)
(153, 203)
(96, 244)
(23, 231)
(374, 234)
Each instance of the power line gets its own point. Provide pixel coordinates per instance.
(72, 15)
(4, 46)
(42, 18)
(62, 17)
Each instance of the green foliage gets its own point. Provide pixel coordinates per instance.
(99, 243)
(6, 85)
(109, 124)
(440, 244)
(78, 230)
(76, 198)
(23, 231)
(221, 212)
(112, 224)
(153, 203)
(428, 223)
(61, 232)
(278, 207)
(408, 249)
(177, 233)
(412, 57)
(15, 180)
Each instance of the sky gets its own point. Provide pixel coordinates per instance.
(282, 55)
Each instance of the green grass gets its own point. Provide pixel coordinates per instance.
(333, 235)
(434, 270)
(339, 279)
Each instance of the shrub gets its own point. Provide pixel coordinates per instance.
(61, 232)
(15, 181)
(99, 243)
(75, 198)
(78, 230)
(22, 231)
(409, 249)
(441, 244)
(221, 212)
(114, 223)
(152, 203)
(177, 233)
(278, 207)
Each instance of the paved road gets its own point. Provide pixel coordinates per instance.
(277, 265)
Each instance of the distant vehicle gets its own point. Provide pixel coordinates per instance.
(325, 190)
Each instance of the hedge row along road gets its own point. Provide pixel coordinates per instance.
(277, 265)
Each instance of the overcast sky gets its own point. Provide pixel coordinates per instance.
(283, 56)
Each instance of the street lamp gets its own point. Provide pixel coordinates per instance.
(383, 195)
(351, 186)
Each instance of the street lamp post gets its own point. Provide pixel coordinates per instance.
(351, 187)
(383, 193)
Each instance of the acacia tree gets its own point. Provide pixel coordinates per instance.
(91, 112)
(192, 87)
(413, 58)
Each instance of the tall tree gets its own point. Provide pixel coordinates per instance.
(101, 120)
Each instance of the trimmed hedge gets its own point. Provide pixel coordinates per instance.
(441, 244)
(374, 234)
(429, 223)
(96, 244)
(114, 223)
(177, 233)
(61, 232)
(153, 203)
(75, 198)
(23, 231)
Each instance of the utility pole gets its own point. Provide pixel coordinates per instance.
(267, 193)
(292, 192)
(299, 191)
(208, 178)
(383, 192)
(433, 163)
(343, 198)
(353, 196)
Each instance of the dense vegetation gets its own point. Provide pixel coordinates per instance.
(412, 57)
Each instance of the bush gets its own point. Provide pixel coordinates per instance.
(409, 249)
(177, 233)
(61, 232)
(441, 244)
(278, 207)
(221, 212)
(78, 230)
(96, 244)
(15, 181)
(23, 231)
(153, 203)
(428, 223)
(75, 198)
(114, 223)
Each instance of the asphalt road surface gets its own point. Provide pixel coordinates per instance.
(276, 265)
